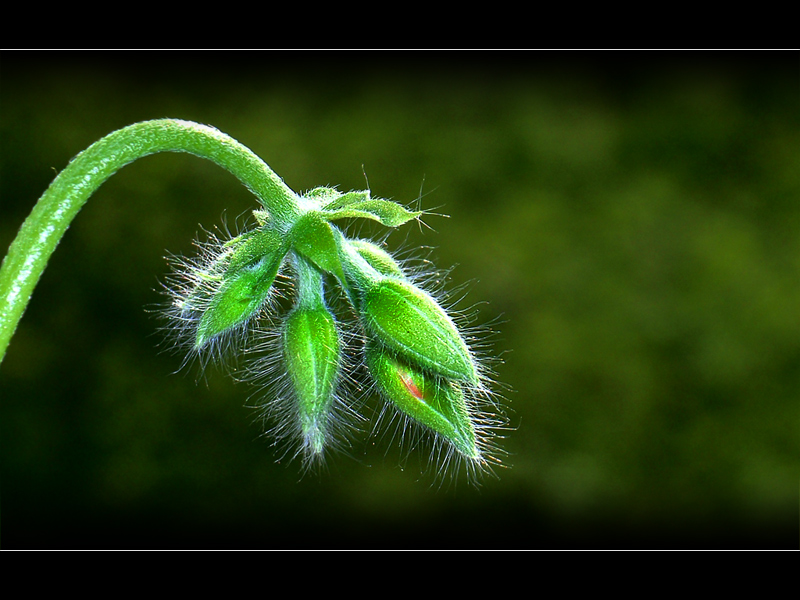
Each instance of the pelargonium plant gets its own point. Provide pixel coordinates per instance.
(394, 333)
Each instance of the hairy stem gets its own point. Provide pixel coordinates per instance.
(40, 233)
(310, 291)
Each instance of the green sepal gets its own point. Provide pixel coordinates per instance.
(360, 205)
(409, 321)
(239, 297)
(312, 352)
(314, 238)
(432, 401)
(342, 200)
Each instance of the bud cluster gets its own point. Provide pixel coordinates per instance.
(407, 345)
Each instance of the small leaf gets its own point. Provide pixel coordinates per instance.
(313, 237)
(386, 212)
(344, 200)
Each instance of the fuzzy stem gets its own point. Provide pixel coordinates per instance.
(356, 269)
(310, 286)
(40, 233)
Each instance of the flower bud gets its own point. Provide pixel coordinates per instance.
(239, 296)
(409, 321)
(311, 352)
(430, 400)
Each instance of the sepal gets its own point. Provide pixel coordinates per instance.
(314, 238)
(359, 205)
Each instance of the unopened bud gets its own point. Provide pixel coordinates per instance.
(311, 351)
(409, 321)
(239, 297)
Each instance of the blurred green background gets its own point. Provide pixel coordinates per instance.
(631, 220)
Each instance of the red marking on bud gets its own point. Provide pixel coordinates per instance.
(409, 384)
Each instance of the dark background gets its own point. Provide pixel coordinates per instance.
(631, 220)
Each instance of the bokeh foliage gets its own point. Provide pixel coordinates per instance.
(629, 222)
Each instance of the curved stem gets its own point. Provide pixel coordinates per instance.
(40, 233)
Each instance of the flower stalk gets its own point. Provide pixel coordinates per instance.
(41, 232)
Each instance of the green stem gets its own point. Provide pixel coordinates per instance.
(40, 233)
(355, 267)
(310, 288)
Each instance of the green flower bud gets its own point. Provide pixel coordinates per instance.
(409, 321)
(311, 352)
(430, 400)
(239, 296)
